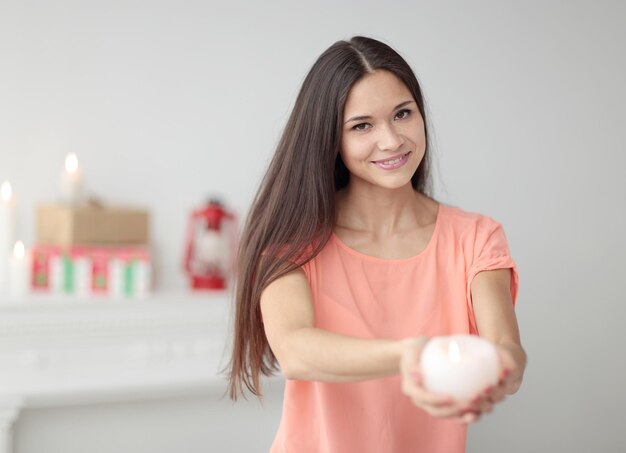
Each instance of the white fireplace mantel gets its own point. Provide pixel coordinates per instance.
(57, 351)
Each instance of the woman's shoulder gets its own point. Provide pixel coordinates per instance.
(460, 219)
(459, 213)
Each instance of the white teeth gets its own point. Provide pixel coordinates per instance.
(393, 161)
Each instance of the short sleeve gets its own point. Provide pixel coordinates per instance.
(490, 251)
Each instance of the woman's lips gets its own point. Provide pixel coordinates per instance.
(391, 163)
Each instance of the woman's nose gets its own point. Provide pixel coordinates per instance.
(389, 138)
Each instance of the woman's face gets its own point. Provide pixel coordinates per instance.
(383, 140)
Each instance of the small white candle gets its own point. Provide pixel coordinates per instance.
(459, 365)
(20, 271)
(72, 180)
(212, 249)
(7, 232)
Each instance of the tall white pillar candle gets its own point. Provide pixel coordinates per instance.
(459, 365)
(20, 271)
(7, 233)
(71, 180)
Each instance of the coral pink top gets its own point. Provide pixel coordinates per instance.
(368, 297)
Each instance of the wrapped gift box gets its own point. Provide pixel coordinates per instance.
(91, 225)
(84, 270)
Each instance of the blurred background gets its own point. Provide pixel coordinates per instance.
(168, 103)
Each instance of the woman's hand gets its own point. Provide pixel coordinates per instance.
(483, 402)
(445, 406)
(437, 405)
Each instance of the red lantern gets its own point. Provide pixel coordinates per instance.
(210, 246)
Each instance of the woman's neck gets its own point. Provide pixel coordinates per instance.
(381, 212)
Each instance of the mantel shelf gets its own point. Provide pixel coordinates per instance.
(57, 350)
(43, 300)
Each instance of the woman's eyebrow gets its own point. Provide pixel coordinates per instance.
(365, 117)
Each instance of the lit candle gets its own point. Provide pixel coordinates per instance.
(71, 180)
(20, 270)
(7, 232)
(212, 249)
(459, 365)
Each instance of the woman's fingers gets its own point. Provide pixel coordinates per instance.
(470, 417)
(435, 404)
(444, 406)
(441, 411)
(507, 364)
(438, 405)
(412, 379)
(498, 394)
(483, 403)
(415, 390)
(485, 407)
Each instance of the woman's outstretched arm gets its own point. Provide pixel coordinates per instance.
(496, 321)
(308, 353)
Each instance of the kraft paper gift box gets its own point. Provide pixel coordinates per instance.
(67, 225)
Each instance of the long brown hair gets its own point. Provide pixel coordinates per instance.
(293, 214)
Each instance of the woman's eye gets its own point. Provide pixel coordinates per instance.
(407, 111)
(402, 114)
(359, 127)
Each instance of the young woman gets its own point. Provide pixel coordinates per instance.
(347, 266)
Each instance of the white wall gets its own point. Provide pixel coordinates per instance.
(190, 425)
(166, 102)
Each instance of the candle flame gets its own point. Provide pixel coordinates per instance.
(6, 191)
(71, 163)
(453, 352)
(18, 250)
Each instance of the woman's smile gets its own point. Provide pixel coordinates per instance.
(393, 163)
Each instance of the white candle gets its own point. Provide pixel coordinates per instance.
(459, 365)
(71, 180)
(7, 232)
(212, 249)
(20, 271)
